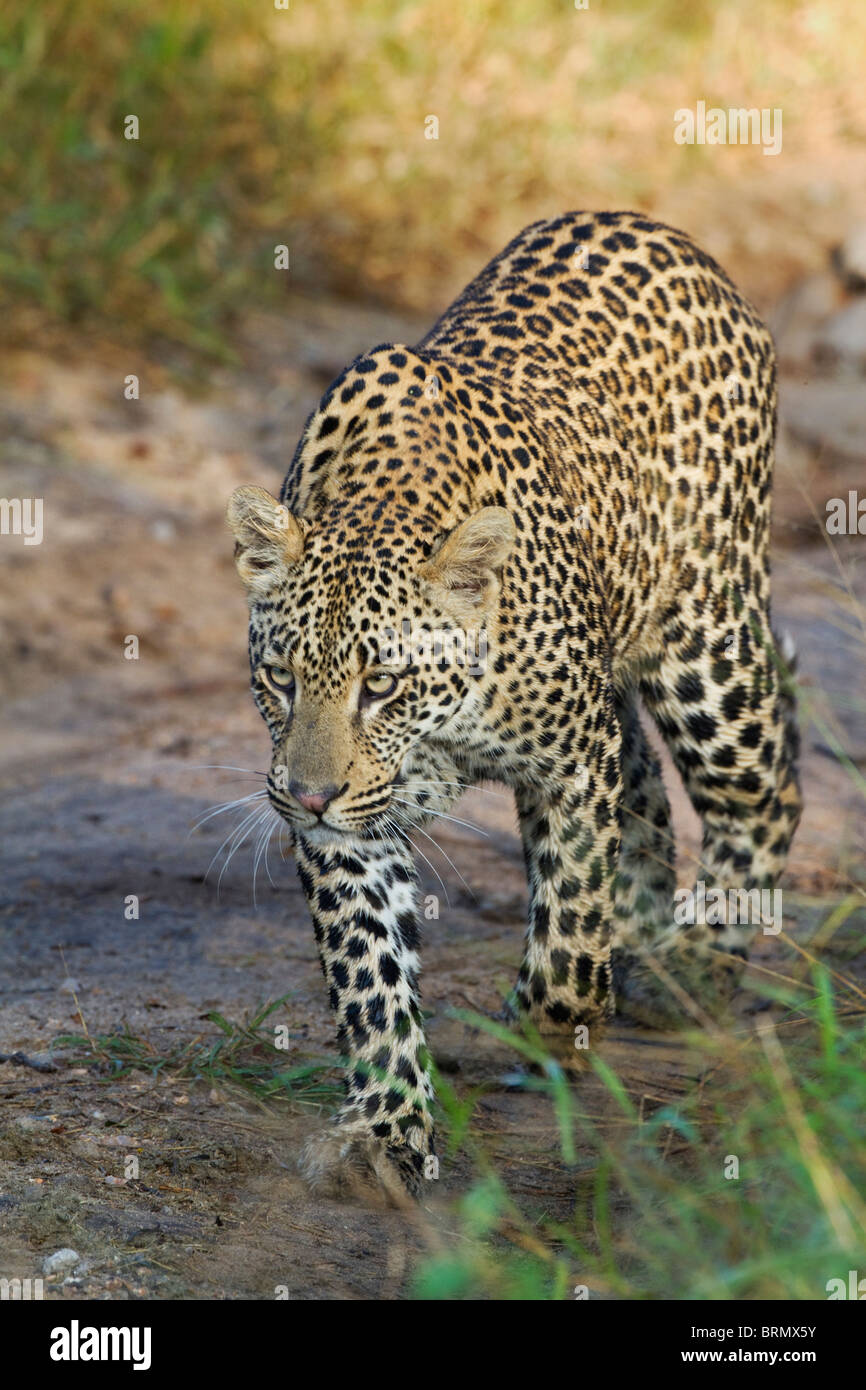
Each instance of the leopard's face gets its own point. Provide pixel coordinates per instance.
(348, 689)
(356, 659)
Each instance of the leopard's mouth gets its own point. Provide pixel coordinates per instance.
(377, 823)
(317, 830)
(322, 833)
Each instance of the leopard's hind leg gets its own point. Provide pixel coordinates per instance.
(723, 701)
(645, 881)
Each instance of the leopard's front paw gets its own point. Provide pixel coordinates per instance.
(690, 984)
(350, 1162)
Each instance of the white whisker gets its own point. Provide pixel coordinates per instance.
(244, 830)
(226, 806)
(432, 867)
(448, 861)
(276, 821)
(425, 810)
(267, 830)
(224, 767)
(462, 786)
(232, 833)
(253, 830)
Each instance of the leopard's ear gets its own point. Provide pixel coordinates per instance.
(268, 539)
(465, 564)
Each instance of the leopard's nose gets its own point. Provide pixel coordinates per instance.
(317, 802)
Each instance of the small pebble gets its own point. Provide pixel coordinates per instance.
(61, 1261)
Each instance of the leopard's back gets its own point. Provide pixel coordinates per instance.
(653, 380)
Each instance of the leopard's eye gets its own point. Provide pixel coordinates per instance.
(280, 680)
(380, 685)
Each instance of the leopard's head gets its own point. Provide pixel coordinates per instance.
(366, 637)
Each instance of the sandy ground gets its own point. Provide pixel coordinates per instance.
(106, 765)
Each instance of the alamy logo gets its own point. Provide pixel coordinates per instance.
(856, 1287)
(22, 516)
(18, 1290)
(77, 1343)
(715, 907)
(739, 125)
(454, 646)
(847, 518)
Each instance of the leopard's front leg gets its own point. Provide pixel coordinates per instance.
(362, 900)
(571, 840)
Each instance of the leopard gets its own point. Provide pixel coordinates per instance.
(561, 498)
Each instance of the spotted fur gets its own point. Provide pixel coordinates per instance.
(576, 461)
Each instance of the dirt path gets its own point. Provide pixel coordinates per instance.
(103, 774)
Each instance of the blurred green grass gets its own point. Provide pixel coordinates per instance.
(306, 127)
(660, 1212)
(165, 232)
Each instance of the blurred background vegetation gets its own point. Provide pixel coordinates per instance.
(306, 126)
(663, 1208)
